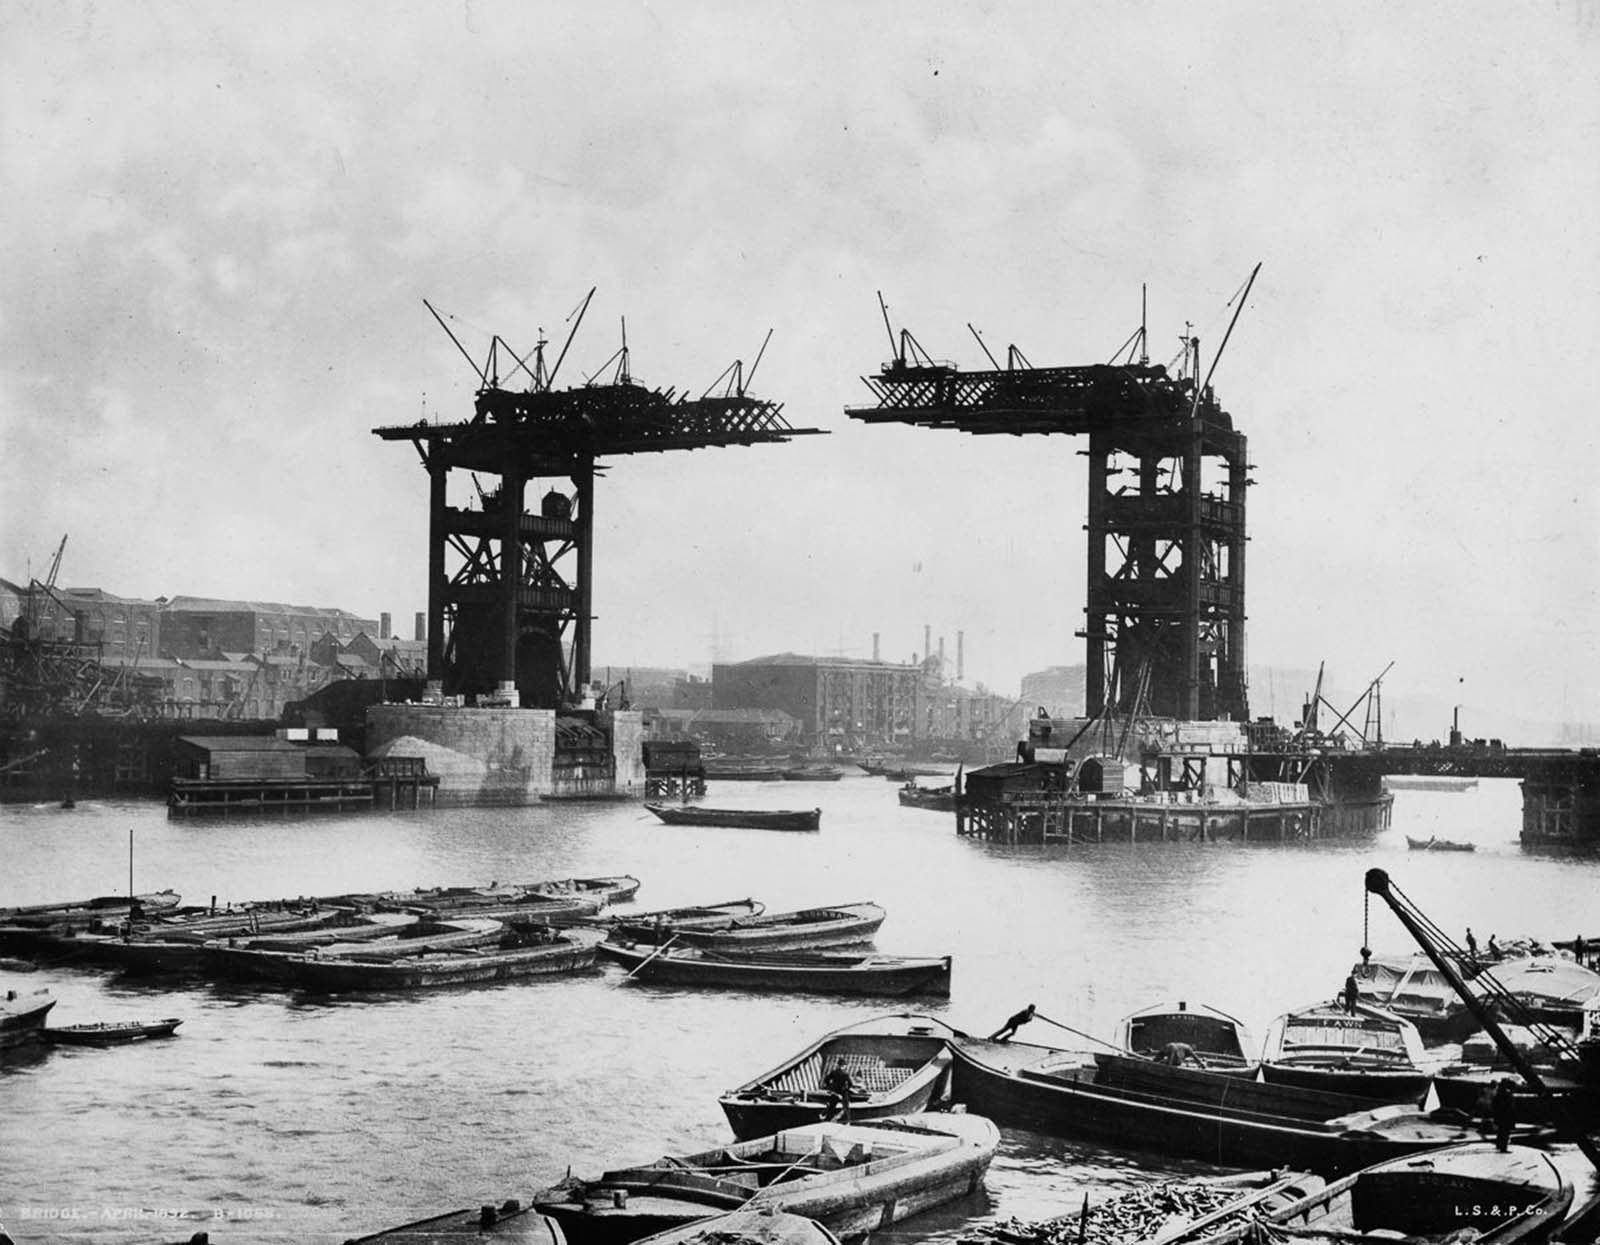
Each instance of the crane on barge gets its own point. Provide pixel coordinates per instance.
(1583, 1224)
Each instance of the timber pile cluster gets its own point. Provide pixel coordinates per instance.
(1136, 1215)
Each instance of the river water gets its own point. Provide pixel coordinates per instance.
(279, 1117)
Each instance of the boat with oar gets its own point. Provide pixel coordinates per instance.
(763, 1226)
(898, 1065)
(1436, 844)
(837, 925)
(738, 818)
(1200, 1036)
(819, 972)
(510, 1222)
(111, 1032)
(1362, 1050)
(22, 1016)
(851, 1178)
(1471, 1192)
(1058, 1092)
(522, 951)
(695, 916)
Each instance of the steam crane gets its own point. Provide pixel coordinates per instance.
(509, 587)
(1445, 955)
(1166, 512)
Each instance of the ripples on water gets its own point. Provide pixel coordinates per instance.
(278, 1117)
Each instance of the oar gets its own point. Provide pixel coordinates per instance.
(1076, 1032)
(652, 955)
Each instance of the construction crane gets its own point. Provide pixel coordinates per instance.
(1438, 947)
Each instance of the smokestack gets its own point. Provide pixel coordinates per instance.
(874, 646)
(961, 655)
(383, 626)
(927, 641)
(421, 626)
(941, 656)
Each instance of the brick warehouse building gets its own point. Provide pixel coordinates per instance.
(840, 702)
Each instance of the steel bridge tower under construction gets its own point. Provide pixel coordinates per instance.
(1165, 601)
(510, 585)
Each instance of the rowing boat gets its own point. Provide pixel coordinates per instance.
(851, 1178)
(821, 972)
(833, 926)
(741, 818)
(1439, 845)
(898, 1065)
(697, 916)
(111, 1032)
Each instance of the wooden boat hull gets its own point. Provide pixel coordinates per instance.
(1219, 1041)
(704, 916)
(1224, 1089)
(1373, 1085)
(901, 1065)
(1004, 1081)
(1517, 1197)
(111, 1034)
(511, 1223)
(22, 1017)
(837, 926)
(738, 818)
(747, 1227)
(1438, 845)
(938, 801)
(821, 973)
(469, 966)
(865, 1195)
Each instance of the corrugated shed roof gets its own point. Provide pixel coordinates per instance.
(215, 605)
(241, 743)
(801, 659)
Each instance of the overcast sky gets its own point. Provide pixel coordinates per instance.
(220, 222)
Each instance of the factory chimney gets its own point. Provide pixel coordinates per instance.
(961, 655)
(927, 641)
(874, 646)
(383, 625)
(421, 626)
(941, 657)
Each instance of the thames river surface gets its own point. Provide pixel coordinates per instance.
(280, 1117)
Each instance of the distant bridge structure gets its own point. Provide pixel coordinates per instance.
(510, 588)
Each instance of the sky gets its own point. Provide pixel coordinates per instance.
(221, 221)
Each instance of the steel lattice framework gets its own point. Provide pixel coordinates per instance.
(509, 587)
(1165, 607)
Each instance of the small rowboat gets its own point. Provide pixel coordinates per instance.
(851, 1178)
(698, 916)
(822, 972)
(838, 925)
(897, 1064)
(743, 818)
(111, 1032)
(1439, 845)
